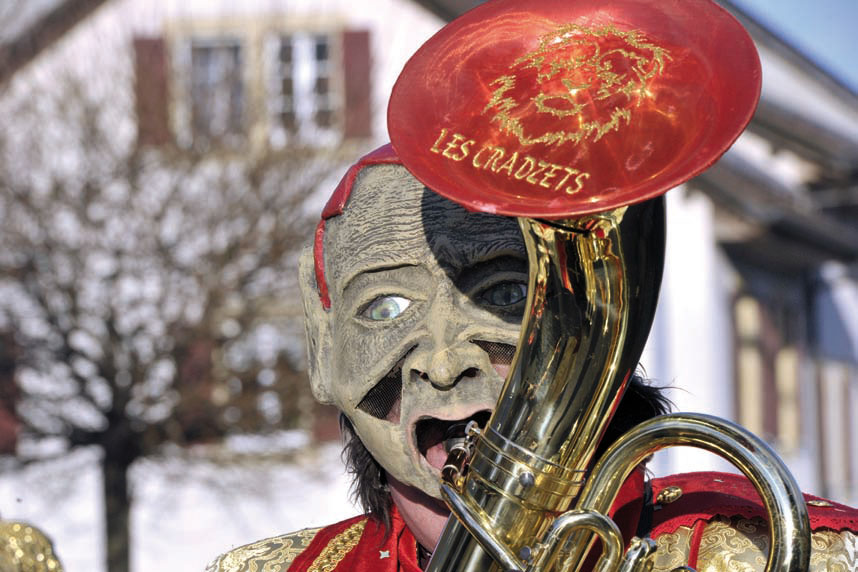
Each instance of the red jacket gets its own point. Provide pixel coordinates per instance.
(682, 508)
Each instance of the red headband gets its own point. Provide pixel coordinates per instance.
(384, 155)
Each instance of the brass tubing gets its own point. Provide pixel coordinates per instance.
(473, 518)
(599, 524)
(789, 549)
(591, 295)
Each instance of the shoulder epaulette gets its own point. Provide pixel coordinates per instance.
(682, 499)
(716, 521)
(275, 553)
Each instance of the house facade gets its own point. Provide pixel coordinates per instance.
(757, 321)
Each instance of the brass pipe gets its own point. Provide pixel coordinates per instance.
(592, 291)
(789, 549)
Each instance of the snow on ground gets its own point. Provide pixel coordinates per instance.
(188, 506)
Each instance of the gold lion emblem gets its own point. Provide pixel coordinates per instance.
(587, 81)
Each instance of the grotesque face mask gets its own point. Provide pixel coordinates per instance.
(426, 301)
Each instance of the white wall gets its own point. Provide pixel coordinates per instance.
(187, 509)
(690, 348)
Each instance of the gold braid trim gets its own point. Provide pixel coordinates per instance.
(337, 548)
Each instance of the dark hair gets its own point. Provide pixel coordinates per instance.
(369, 485)
(641, 401)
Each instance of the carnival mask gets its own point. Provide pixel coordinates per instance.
(425, 306)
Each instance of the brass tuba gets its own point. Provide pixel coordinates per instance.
(576, 117)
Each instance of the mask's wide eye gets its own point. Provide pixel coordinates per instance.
(505, 293)
(386, 308)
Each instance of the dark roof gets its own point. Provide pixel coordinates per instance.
(794, 235)
(448, 9)
(29, 26)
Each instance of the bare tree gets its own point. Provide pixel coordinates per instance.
(147, 297)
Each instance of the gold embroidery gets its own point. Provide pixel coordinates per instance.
(742, 545)
(25, 549)
(603, 66)
(672, 550)
(739, 545)
(268, 555)
(337, 548)
(833, 551)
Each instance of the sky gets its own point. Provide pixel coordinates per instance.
(823, 30)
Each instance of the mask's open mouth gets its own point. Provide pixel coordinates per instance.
(436, 436)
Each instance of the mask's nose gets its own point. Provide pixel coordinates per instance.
(445, 366)
(445, 356)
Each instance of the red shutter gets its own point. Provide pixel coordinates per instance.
(8, 431)
(357, 69)
(151, 90)
(8, 397)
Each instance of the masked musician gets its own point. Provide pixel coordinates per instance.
(413, 303)
(427, 297)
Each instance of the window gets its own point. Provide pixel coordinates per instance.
(8, 395)
(838, 394)
(217, 91)
(768, 369)
(750, 366)
(252, 85)
(304, 101)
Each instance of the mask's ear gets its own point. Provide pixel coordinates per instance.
(317, 328)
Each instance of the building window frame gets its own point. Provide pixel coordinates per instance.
(218, 117)
(317, 69)
(769, 359)
(304, 95)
